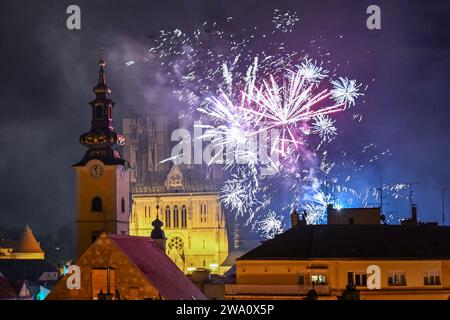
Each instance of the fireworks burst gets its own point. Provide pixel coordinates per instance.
(345, 91)
(284, 21)
(271, 225)
(324, 126)
(241, 92)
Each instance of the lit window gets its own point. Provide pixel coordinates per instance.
(319, 279)
(103, 284)
(168, 217)
(175, 217)
(432, 278)
(396, 278)
(203, 213)
(183, 217)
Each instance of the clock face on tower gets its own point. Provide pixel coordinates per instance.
(96, 171)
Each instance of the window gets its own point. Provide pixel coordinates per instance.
(203, 213)
(301, 278)
(145, 212)
(396, 278)
(431, 278)
(96, 205)
(358, 278)
(103, 283)
(122, 205)
(168, 217)
(175, 217)
(183, 217)
(319, 279)
(98, 113)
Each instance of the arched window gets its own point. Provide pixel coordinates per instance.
(175, 217)
(122, 205)
(203, 213)
(98, 112)
(183, 217)
(96, 205)
(168, 217)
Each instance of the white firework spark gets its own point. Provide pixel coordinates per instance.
(345, 91)
(240, 192)
(312, 71)
(285, 21)
(271, 225)
(323, 125)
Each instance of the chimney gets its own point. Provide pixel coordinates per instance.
(295, 220)
(414, 213)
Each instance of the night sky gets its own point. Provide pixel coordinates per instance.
(48, 72)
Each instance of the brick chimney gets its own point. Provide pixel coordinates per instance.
(414, 213)
(295, 219)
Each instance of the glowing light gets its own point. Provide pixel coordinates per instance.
(271, 225)
(345, 91)
(324, 127)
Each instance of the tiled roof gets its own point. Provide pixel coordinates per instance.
(158, 268)
(28, 243)
(355, 241)
(193, 181)
(24, 269)
(7, 292)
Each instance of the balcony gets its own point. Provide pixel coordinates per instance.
(275, 289)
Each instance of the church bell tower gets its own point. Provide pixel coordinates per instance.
(102, 175)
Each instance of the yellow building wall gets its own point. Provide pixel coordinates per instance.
(204, 244)
(111, 187)
(277, 273)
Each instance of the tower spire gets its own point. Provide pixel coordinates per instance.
(102, 139)
(102, 65)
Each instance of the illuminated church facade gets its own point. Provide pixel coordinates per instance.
(185, 198)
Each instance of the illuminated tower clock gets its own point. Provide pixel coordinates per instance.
(102, 175)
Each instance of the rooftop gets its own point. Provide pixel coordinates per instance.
(356, 241)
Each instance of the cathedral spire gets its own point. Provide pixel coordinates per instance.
(102, 139)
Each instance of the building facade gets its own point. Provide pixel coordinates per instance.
(184, 197)
(414, 263)
(194, 222)
(102, 175)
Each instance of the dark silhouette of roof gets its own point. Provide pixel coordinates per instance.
(165, 276)
(355, 241)
(7, 291)
(24, 269)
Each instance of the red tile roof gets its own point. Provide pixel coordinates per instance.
(165, 276)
